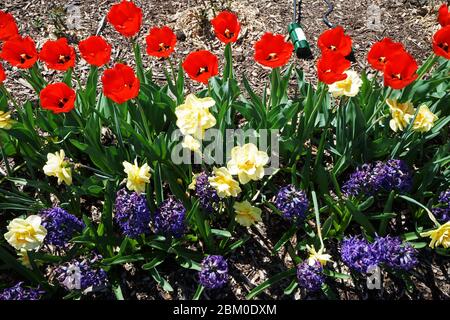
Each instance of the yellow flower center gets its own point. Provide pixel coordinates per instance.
(228, 34)
(272, 56)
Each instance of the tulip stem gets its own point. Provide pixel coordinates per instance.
(172, 70)
(427, 66)
(9, 96)
(79, 165)
(5, 159)
(144, 120)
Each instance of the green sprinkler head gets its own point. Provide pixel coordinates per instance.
(298, 39)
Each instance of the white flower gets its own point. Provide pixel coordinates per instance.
(137, 176)
(191, 143)
(26, 233)
(348, 87)
(58, 167)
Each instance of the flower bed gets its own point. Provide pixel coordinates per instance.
(355, 169)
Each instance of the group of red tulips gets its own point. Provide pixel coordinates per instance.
(120, 83)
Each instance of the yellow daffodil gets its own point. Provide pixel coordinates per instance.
(247, 162)
(26, 233)
(246, 214)
(320, 256)
(191, 143)
(5, 120)
(424, 120)
(401, 113)
(57, 166)
(193, 183)
(348, 87)
(137, 176)
(439, 236)
(224, 183)
(193, 117)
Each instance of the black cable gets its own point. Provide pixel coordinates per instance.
(297, 14)
(294, 3)
(325, 16)
(299, 17)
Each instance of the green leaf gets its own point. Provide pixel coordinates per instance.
(198, 292)
(268, 283)
(156, 261)
(160, 280)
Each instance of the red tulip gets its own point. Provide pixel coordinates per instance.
(400, 71)
(226, 27)
(335, 40)
(161, 42)
(444, 15)
(58, 55)
(58, 97)
(2, 75)
(382, 51)
(126, 18)
(331, 67)
(8, 27)
(272, 50)
(20, 52)
(95, 50)
(201, 65)
(120, 83)
(441, 42)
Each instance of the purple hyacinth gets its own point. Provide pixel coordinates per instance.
(18, 292)
(358, 254)
(292, 203)
(61, 226)
(214, 272)
(442, 210)
(206, 194)
(132, 214)
(379, 176)
(310, 277)
(170, 218)
(81, 275)
(392, 252)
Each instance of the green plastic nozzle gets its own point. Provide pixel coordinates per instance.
(298, 39)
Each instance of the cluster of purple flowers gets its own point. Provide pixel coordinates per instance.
(214, 272)
(206, 194)
(310, 277)
(292, 203)
(132, 214)
(442, 210)
(170, 218)
(61, 226)
(18, 292)
(360, 255)
(392, 252)
(379, 176)
(81, 275)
